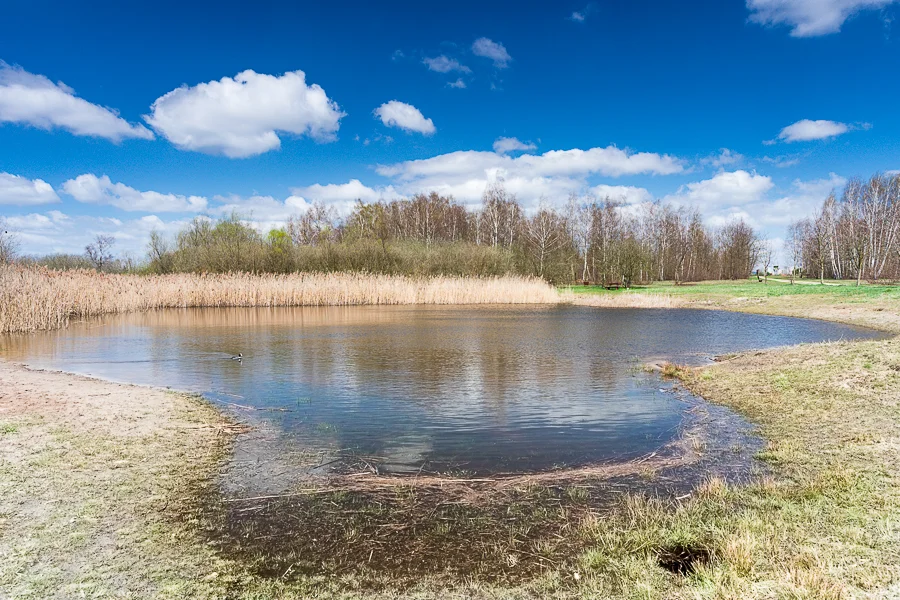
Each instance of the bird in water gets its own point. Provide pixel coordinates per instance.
(240, 356)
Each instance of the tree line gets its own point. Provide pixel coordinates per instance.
(853, 236)
(587, 239)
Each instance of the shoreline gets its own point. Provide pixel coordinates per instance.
(196, 428)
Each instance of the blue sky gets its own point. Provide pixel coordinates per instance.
(119, 119)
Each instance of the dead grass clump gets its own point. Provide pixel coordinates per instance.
(35, 298)
(673, 371)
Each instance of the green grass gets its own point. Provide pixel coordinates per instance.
(751, 288)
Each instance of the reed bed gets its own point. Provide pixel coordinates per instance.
(35, 298)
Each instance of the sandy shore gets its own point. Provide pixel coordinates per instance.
(85, 467)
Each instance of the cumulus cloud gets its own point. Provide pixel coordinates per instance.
(554, 174)
(495, 51)
(345, 192)
(25, 192)
(808, 130)
(733, 188)
(754, 198)
(808, 18)
(445, 64)
(801, 200)
(724, 158)
(459, 84)
(263, 212)
(35, 100)
(405, 116)
(622, 193)
(610, 161)
(54, 231)
(242, 116)
(101, 190)
(505, 145)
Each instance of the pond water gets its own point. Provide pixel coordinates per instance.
(425, 388)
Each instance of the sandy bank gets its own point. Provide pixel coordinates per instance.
(86, 469)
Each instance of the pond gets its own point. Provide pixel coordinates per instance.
(426, 388)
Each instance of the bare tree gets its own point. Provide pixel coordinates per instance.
(100, 251)
(543, 231)
(738, 250)
(502, 214)
(580, 226)
(881, 215)
(854, 227)
(798, 232)
(9, 244)
(314, 226)
(766, 252)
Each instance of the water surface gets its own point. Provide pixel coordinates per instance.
(425, 388)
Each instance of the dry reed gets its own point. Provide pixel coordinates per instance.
(35, 298)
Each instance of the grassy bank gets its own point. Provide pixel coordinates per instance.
(825, 523)
(869, 305)
(33, 298)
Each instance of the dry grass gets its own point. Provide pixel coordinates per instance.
(624, 300)
(33, 298)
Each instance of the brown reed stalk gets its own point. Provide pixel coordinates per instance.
(36, 298)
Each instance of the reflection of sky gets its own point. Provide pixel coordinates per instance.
(510, 388)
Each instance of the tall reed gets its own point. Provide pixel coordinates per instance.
(36, 298)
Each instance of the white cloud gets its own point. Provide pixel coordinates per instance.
(25, 192)
(579, 16)
(35, 100)
(724, 158)
(445, 64)
(349, 192)
(801, 201)
(459, 84)
(54, 232)
(263, 212)
(405, 116)
(749, 196)
(100, 190)
(554, 174)
(807, 130)
(808, 18)
(493, 50)
(610, 161)
(242, 116)
(623, 193)
(781, 162)
(733, 188)
(505, 145)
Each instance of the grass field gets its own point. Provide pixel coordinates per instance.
(868, 305)
(825, 523)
